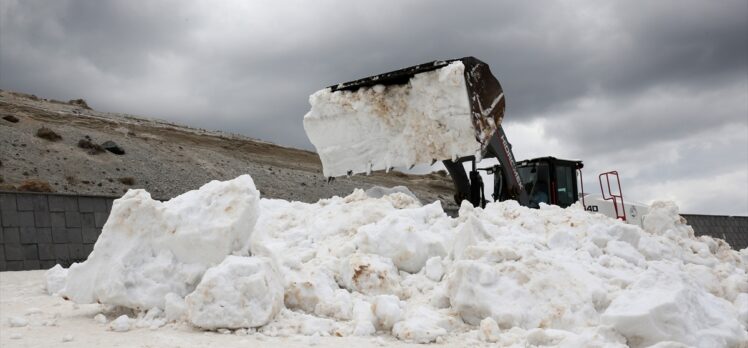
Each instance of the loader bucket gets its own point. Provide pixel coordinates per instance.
(442, 110)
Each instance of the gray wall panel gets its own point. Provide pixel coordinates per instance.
(39, 230)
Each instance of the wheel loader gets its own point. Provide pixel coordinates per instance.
(449, 111)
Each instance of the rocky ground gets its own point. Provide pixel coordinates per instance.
(164, 158)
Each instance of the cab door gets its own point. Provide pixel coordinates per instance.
(563, 190)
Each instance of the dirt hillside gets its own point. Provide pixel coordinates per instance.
(62, 144)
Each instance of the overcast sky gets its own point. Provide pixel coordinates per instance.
(657, 90)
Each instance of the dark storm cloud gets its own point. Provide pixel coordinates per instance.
(606, 81)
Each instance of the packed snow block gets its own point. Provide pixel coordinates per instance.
(369, 274)
(305, 291)
(148, 248)
(241, 292)
(409, 237)
(55, 279)
(175, 308)
(434, 268)
(489, 330)
(123, 323)
(315, 291)
(663, 305)
(380, 127)
(388, 310)
(663, 217)
(529, 293)
(477, 291)
(364, 319)
(423, 325)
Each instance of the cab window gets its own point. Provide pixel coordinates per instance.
(535, 180)
(565, 178)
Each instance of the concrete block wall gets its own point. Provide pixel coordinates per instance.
(733, 229)
(39, 230)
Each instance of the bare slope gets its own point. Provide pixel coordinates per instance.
(164, 158)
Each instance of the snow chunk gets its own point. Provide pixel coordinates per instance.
(154, 318)
(317, 292)
(370, 274)
(316, 326)
(55, 279)
(434, 268)
(147, 248)
(664, 306)
(663, 217)
(17, 321)
(175, 309)
(624, 251)
(123, 323)
(364, 319)
(529, 293)
(428, 118)
(489, 330)
(241, 292)
(409, 237)
(477, 291)
(388, 310)
(423, 325)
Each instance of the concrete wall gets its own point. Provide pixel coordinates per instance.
(733, 229)
(41, 229)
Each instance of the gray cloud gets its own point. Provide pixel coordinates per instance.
(607, 82)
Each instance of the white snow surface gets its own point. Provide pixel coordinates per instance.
(504, 275)
(379, 127)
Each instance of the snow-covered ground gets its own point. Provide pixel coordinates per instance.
(382, 269)
(50, 321)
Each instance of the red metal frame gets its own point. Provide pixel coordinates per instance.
(611, 196)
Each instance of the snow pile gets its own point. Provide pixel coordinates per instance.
(504, 275)
(148, 249)
(393, 126)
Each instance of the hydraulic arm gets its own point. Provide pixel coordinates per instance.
(508, 184)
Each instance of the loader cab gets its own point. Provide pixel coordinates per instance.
(547, 180)
(550, 180)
